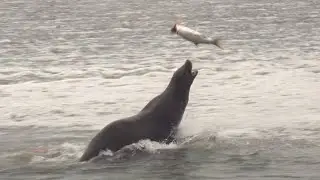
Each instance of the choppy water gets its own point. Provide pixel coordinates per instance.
(68, 68)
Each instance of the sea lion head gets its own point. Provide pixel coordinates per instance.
(184, 76)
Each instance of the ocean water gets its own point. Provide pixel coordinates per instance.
(70, 67)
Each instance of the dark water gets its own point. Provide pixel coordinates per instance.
(68, 68)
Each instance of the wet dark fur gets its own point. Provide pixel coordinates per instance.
(157, 121)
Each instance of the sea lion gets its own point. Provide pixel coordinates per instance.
(157, 121)
(194, 36)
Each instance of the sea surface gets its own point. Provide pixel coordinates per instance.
(70, 67)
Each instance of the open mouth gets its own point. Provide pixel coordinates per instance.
(194, 73)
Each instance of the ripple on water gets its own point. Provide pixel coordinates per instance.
(316, 71)
(262, 73)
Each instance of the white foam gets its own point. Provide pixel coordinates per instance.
(152, 146)
(63, 152)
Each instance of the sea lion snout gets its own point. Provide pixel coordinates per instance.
(188, 66)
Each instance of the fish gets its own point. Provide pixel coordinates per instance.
(194, 36)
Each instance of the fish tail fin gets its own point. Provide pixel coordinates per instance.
(217, 42)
